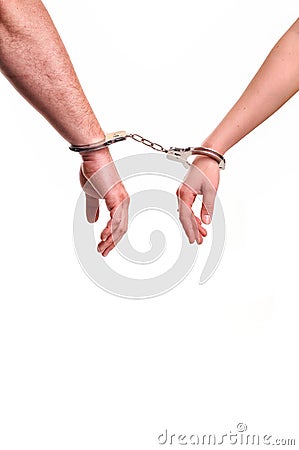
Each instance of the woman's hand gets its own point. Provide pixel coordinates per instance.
(201, 179)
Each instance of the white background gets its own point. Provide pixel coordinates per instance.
(82, 369)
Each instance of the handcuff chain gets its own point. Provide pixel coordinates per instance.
(147, 142)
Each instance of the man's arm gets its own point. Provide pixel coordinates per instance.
(274, 84)
(34, 59)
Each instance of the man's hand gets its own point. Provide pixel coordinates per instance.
(100, 179)
(201, 179)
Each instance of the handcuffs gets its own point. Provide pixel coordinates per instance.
(180, 154)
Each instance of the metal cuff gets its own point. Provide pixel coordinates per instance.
(205, 151)
(109, 139)
(89, 147)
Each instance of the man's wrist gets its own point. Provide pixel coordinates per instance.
(102, 156)
(88, 138)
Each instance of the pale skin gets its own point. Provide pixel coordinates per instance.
(35, 61)
(274, 84)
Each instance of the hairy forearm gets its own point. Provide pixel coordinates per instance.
(35, 61)
(275, 83)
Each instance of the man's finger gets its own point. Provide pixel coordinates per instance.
(92, 208)
(115, 229)
(112, 240)
(106, 246)
(106, 231)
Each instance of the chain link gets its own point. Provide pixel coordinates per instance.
(147, 142)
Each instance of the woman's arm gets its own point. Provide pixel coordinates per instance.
(274, 84)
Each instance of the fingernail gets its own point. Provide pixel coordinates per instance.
(207, 219)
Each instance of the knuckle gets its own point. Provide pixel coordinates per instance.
(116, 221)
(181, 189)
(121, 229)
(125, 196)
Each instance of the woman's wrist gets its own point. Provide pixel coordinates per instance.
(204, 160)
(214, 145)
